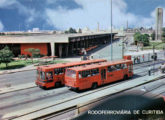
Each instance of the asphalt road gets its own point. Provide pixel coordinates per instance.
(8, 80)
(35, 97)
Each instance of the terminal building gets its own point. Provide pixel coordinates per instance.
(61, 45)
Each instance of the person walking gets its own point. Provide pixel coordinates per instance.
(149, 71)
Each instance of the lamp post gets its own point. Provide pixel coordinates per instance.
(111, 34)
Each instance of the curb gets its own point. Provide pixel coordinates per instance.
(10, 72)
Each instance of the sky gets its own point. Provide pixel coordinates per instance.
(23, 15)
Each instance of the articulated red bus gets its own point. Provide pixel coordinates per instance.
(53, 75)
(91, 76)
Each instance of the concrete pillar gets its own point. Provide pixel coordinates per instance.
(52, 44)
(159, 23)
(72, 46)
(60, 50)
(87, 43)
(84, 43)
(67, 45)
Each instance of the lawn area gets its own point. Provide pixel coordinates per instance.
(22, 63)
(159, 46)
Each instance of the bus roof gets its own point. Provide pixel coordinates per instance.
(60, 65)
(81, 68)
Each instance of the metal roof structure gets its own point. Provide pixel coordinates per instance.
(44, 38)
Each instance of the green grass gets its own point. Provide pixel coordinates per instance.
(16, 64)
(159, 46)
(22, 63)
(52, 62)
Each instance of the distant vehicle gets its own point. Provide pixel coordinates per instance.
(53, 75)
(91, 76)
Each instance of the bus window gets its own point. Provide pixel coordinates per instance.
(118, 66)
(129, 68)
(38, 72)
(49, 75)
(58, 71)
(111, 68)
(42, 75)
(86, 74)
(71, 73)
(123, 66)
(94, 72)
(80, 75)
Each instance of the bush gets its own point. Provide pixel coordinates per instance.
(6, 56)
(38, 55)
(21, 56)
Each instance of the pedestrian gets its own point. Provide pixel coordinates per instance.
(138, 59)
(149, 71)
(134, 60)
(143, 57)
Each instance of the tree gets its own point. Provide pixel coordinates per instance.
(33, 52)
(71, 30)
(140, 38)
(153, 35)
(6, 56)
(137, 37)
(79, 30)
(145, 39)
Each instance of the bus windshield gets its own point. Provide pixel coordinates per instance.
(71, 73)
(49, 75)
(42, 75)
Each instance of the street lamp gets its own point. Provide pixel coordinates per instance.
(123, 48)
(111, 34)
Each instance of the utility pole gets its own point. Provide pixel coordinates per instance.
(123, 48)
(154, 59)
(111, 34)
(98, 26)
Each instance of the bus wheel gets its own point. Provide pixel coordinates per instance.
(94, 85)
(77, 90)
(125, 77)
(57, 84)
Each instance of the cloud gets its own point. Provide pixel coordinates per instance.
(14, 4)
(93, 11)
(51, 1)
(1, 26)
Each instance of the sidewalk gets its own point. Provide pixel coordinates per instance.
(29, 67)
(139, 52)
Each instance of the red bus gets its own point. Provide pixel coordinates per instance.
(91, 76)
(53, 75)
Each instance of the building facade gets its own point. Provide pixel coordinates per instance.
(61, 45)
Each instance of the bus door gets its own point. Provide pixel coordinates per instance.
(130, 69)
(103, 75)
